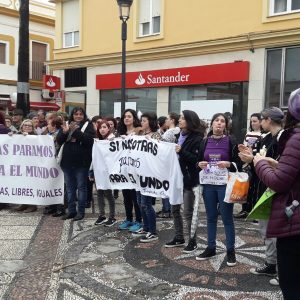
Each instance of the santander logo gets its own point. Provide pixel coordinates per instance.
(50, 83)
(162, 79)
(140, 80)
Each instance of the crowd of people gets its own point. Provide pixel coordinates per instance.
(270, 153)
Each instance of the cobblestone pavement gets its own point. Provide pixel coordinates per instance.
(42, 257)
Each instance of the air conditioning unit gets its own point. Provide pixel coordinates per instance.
(48, 95)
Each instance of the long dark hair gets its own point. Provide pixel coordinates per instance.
(75, 110)
(290, 121)
(193, 122)
(212, 120)
(152, 118)
(122, 129)
(258, 116)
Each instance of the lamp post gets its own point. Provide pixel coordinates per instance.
(124, 8)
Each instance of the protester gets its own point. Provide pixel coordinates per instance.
(77, 138)
(283, 177)
(17, 118)
(113, 124)
(104, 133)
(95, 121)
(27, 128)
(54, 124)
(42, 118)
(162, 125)
(149, 127)
(217, 152)
(34, 118)
(8, 123)
(172, 128)
(169, 136)
(272, 123)
(129, 124)
(252, 139)
(191, 135)
(4, 129)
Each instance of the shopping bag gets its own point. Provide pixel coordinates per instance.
(237, 187)
(262, 208)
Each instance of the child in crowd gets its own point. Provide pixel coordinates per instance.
(104, 133)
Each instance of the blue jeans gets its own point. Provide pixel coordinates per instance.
(75, 179)
(148, 212)
(166, 206)
(214, 195)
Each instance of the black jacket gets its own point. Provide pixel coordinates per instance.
(188, 158)
(79, 153)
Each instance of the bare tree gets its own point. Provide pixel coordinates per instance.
(23, 58)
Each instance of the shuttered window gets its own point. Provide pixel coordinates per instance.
(39, 56)
(2, 53)
(149, 17)
(70, 23)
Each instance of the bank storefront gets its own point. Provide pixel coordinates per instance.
(205, 89)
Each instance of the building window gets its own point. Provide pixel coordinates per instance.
(70, 23)
(3, 54)
(143, 100)
(284, 6)
(75, 77)
(282, 75)
(149, 17)
(39, 56)
(71, 39)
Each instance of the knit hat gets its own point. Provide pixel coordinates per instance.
(294, 104)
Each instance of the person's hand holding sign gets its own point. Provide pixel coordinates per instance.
(177, 148)
(223, 164)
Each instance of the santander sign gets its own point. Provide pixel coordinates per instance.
(152, 79)
(226, 72)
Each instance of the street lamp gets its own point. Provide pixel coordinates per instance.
(124, 8)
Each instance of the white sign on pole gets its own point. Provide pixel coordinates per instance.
(131, 105)
(207, 108)
(117, 109)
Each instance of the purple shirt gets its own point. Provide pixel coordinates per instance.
(182, 138)
(217, 150)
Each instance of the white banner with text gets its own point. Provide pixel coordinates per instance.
(29, 173)
(136, 162)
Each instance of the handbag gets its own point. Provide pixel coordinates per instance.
(61, 149)
(237, 187)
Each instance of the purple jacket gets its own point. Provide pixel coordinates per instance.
(4, 129)
(285, 180)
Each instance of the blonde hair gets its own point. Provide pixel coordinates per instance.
(27, 121)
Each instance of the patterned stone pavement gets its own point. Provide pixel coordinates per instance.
(46, 258)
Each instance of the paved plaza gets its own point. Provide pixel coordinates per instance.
(42, 257)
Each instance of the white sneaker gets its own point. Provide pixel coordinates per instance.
(149, 237)
(140, 232)
(274, 281)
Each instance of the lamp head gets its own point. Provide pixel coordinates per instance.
(124, 8)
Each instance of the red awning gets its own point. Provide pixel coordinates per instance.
(44, 105)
